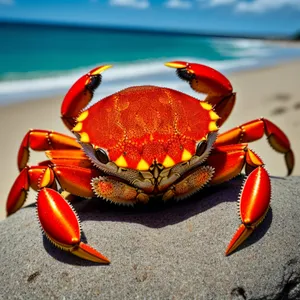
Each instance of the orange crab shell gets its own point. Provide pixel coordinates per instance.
(142, 125)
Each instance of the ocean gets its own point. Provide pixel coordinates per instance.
(38, 61)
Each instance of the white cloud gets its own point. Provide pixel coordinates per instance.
(260, 6)
(178, 4)
(212, 3)
(221, 2)
(141, 4)
(255, 6)
(7, 2)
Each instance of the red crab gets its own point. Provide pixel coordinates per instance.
(143, 142)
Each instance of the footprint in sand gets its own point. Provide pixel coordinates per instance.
(282, 97)
(278, 111)
(297, 105)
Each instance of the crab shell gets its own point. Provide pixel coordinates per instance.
(140, 127)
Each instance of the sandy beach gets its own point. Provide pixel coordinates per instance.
(271, 92)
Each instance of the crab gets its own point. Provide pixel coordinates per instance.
(144, 142)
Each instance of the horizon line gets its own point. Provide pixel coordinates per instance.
(141, 30)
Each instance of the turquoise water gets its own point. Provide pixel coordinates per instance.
(43, 59)
(32, 48)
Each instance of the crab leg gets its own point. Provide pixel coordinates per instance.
(254, 205)
(254, 130)
(68, 158)
(118, 192)
(204, 79)
(41, 140)
(254, 202)
(28, 177)
(190, 184)
(73, 179)
(228, 161)
(80, 94)
(61, 225)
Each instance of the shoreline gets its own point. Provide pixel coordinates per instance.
(272, 92)
(122, 75)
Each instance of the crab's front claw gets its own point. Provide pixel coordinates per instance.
(80, 94)
(61, 225)
(204, 79)
(254, 205)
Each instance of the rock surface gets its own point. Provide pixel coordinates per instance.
(171, 251)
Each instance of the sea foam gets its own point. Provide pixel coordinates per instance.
(142, 72)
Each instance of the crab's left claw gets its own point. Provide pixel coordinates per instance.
(60, 224)
(204, 79)
(80, 94)
(254, 205)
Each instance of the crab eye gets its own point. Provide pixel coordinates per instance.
(201, 147)
(101, 156)
(185, 75)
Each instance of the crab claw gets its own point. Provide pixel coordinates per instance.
(254, 205)
(204, 79)
(60, 224)
(80, 94)
(212, 81)
(18, 192)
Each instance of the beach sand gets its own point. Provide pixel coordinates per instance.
(272, 92)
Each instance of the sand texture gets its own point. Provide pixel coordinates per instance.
(171, 251)
(271, 92)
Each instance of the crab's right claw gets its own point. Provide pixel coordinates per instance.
(254, 205)
(60, 224)
(80, 94)
(204, 79)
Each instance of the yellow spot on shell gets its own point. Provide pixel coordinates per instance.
(121, 162)
(168, 162)
(186, 155)
(205, 105)
(213, 126)
(142, 165)
(83, 116)
(84, 137)
(78, 127)
(213, 116)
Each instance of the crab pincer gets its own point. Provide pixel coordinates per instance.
(80, 94)
(204, 79)
(254, 204)
(61, 225)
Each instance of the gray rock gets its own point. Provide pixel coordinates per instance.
(171, 251)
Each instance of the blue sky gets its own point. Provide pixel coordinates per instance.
(222, 16)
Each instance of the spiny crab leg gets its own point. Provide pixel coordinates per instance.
(254, 205)
(41, 140)
(204, 79)
(254, 202)
(28, 177)
(67, 157)
(80, 94)
(73, 179)
(228, 162)
(255, 130)
(61, 226)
